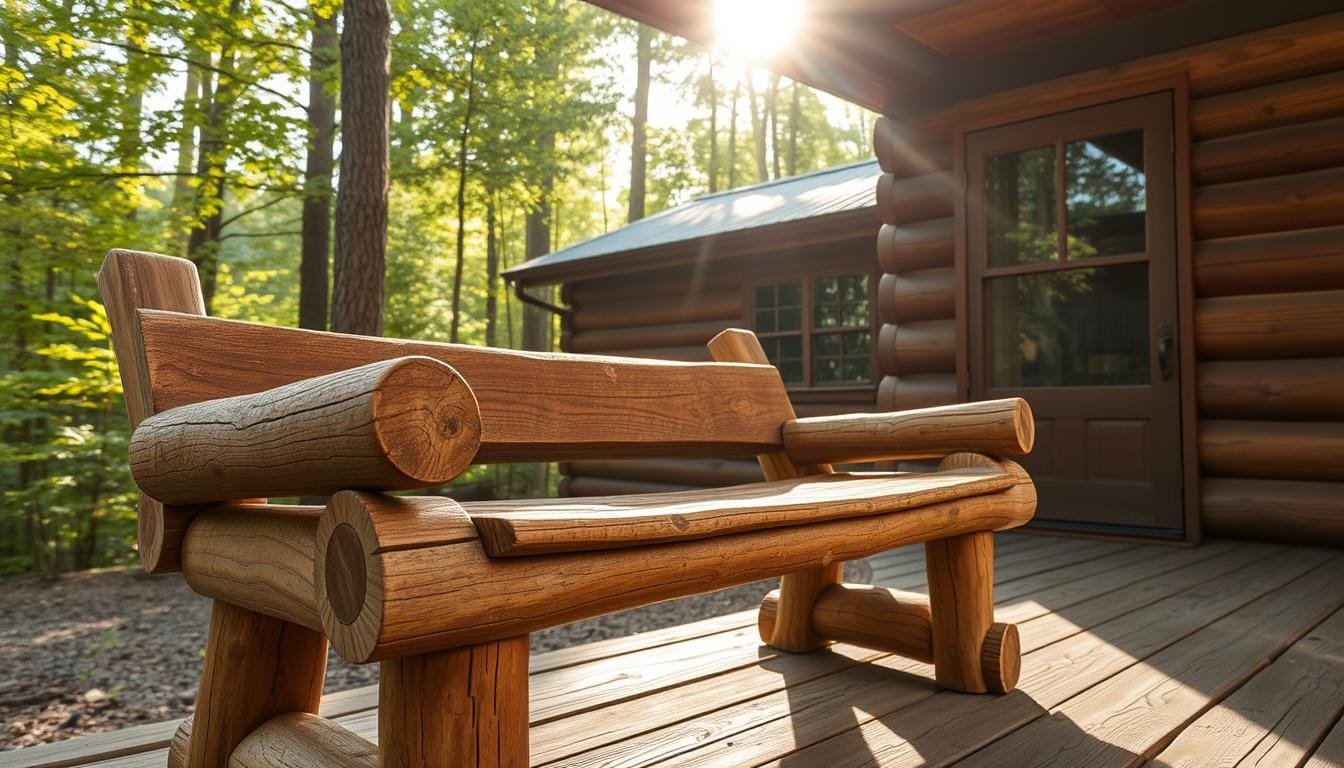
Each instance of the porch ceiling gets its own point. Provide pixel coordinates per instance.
(904, 57)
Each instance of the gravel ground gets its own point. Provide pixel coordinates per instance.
(102, 650)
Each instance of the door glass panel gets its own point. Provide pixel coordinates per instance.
(1106, 195)
(1069, 328)
(1020, 195)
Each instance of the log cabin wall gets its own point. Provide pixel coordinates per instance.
(671, 313)
(1265, 227)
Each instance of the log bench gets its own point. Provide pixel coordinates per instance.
(443, 594)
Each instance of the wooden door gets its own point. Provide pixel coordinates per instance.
(1072, 304)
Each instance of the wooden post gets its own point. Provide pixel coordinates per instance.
(792, 629)
(961, 598)
(460, 708)
(256, 667)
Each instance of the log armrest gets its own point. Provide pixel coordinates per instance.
(410, 422)
(996, 427)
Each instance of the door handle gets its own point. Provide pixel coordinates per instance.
(1164, 338)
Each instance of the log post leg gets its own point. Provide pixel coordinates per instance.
(256, 667)
(961, 600)
(459, 708)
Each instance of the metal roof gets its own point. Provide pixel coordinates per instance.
(832, 190)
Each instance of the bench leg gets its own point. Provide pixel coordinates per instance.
(459, 708)
(961, 599)
(256, 667)
(791, 628)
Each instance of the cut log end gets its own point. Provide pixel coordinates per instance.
(349, 577)
(1001, 657)
(427, 420)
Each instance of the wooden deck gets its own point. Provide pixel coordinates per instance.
(1228, 654)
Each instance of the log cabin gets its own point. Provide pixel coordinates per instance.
(1129, 213)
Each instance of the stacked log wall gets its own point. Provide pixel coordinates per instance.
(671, 314)
(916, 300)
(1266, 121)
(1267, 168)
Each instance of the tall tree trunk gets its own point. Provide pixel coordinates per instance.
(203, 241)
(463, 141)
(186, 150)
(315, 230)
(361, 203)
(757, 130)
(732, 137)
(713, 128)
(639, 144)
(795, 110)
(129, 144)
(491, 275)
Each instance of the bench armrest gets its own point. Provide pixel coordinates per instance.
(992, 427)
(410, 422)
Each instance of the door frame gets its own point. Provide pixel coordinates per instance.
(1179, 88)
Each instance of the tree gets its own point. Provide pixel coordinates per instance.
(639, 143)
(757, 128)
(315, 237)
(713, 90)
(361, 202)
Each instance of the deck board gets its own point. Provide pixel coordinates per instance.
(1230, 653)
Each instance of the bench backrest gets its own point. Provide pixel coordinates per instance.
(534, 406)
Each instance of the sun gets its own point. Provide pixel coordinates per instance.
(755, 30)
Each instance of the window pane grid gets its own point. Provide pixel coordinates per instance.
(835, 312)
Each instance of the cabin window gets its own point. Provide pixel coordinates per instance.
(817, 329)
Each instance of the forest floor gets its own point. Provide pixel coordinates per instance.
(102, 650)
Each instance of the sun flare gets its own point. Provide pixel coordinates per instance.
(754, 30)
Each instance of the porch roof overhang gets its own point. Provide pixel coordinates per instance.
(909, 57)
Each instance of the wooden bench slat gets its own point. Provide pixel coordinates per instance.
(534, 406)
(542, 526)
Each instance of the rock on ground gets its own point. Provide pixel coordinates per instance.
(102, 650)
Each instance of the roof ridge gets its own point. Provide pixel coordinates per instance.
(774, 182)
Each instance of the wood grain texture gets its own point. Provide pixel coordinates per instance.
(874, 617)
(256, 556)
(302, 740)
(545, 526)
(423, 598)
(1299, 260)
(1292, 101)
(410, 422)
(179, 745)
(1001, 658)
(798, 587)
(1276, 450)
(1274, 204)
(460, 708)
(916, 245)
(534, 406)
(923, 346)
(1271, 152)
(1272, 389)
(914, 198)
(1330, 752)
(1001, 426)
(1273, 510)
(1271, 326)
(1278, 715)
(128, 281)
(961, 599)
(256, 667)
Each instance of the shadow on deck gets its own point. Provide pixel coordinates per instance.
(1227, 652)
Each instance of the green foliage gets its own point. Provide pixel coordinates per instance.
(133, 123)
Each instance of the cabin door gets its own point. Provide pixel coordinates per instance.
(1072, 305)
